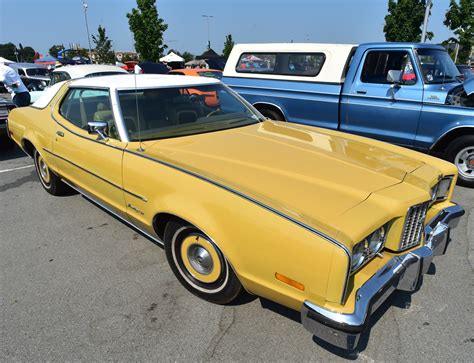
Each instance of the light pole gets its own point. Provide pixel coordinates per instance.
(84, 5)
(425, 22)
(208, 32)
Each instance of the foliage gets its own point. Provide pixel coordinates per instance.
(147, 28)
(187, 56)
(27, 54)
(129, 57)
(103, 47)
(228, 45)
(460, 19)
(55, 49)
(8, 51)
(404, 21)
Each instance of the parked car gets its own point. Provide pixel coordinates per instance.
(78, 71)
(129, 66)
(151, 68)
(5, 106)
(200, 72)
(465, 70)
(34, 76)
(403, 93)
(323, 222)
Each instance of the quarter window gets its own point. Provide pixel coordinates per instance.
(82, 105)
(378, 63)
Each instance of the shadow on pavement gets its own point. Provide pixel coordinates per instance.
(9, 150)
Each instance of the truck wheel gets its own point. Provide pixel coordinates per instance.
(461, 153)
(272, 114)
(50, 181)
(199, 264)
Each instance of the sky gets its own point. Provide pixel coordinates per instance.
(42, 23)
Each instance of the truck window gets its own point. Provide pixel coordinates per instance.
(288, 64)
(378, 63)
(257, 63)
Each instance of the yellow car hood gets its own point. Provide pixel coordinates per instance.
(303, 172)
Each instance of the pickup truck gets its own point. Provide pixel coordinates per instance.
(404, 93)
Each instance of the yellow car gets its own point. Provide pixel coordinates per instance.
(323, 222)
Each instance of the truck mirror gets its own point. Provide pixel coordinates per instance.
(394, 76)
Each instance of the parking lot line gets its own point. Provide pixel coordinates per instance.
(13, 169)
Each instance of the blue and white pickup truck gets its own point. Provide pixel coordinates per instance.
(404, 93)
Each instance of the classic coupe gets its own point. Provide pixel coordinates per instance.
(327, 223)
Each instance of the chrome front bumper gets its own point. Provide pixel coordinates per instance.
(400, 273)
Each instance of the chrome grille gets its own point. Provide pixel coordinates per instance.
(414, 223)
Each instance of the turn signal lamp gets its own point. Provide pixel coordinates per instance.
(291, 282)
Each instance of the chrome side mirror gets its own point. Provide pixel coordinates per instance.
(98, 128)
(394, 77)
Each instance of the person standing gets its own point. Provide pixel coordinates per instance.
(14, 85)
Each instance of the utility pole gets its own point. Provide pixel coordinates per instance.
(208, 32)
(425, 22)
(84, 5)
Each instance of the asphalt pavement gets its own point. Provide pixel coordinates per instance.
(77, 284)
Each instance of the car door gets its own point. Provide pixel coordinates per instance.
(87, 162)
(376, 108)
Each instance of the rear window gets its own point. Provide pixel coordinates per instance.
(291, 64)
(57, 77)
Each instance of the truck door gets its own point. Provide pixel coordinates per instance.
(377, 108)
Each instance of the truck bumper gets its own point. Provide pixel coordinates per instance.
(402, 272)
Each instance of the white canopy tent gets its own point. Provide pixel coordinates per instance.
(5, 61)
(172, 57)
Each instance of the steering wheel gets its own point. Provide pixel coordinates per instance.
(214, 112)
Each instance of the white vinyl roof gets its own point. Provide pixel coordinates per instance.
(82, 70)
(130, 81)
(331, 71)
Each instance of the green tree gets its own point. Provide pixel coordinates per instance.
(103, 47)
(147, 28)
(27, 54)
(55, 49)
(404, 20)
(460, 19)
(7, 51)
(228, 45)
(187, 56)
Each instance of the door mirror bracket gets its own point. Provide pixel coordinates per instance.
(98, 128)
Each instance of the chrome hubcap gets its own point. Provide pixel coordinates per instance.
(200, 259)
(464, 161)
(43, 169)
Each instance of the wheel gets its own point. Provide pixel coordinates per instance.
(272, 114)
(50, 181)
(199, 264)
(461, 153)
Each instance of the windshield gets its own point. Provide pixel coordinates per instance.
(172, 112)
(437, 66)
(37, 72)
(57, 77)
(211, 74)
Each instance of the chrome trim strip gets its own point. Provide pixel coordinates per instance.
(97, 176)
(271, 104)
(447, 132)
(101, 205)
(284, 89)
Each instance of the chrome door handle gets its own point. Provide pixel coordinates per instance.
(60, 133)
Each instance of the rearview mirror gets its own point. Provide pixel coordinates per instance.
(98, 128)
(394, 77)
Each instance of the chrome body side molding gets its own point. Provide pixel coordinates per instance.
(112, 212)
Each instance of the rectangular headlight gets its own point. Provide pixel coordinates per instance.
(441, 190)
(365, 250)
